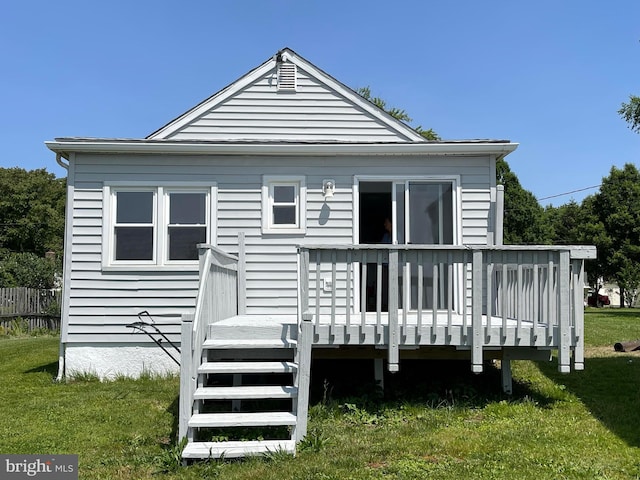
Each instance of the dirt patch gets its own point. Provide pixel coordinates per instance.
(593, 352)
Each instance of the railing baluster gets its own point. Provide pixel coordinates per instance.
(505, 295)
(318, 280)
(536, 295)
(363, 289)
(519, 296)
(490, 299)
(379, 293)
(349, 292)
(434, 294)
(402, 260)
(465, 299)
(420, 287)
(334, 287)
(304, 283)
(550, 312)
(449, 294)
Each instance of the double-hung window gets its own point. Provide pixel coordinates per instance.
(134, 226)
(283, 204)
(187, 224)
(156, 226)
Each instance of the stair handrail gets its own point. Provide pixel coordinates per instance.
(216, 300)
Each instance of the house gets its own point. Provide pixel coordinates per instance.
(251, 230)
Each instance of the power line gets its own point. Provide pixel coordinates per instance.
(569, 193)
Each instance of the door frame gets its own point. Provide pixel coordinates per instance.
(393, 179)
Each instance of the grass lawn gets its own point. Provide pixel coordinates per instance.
(437, 420)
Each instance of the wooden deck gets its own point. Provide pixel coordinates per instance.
(446, 331)
(478, 302)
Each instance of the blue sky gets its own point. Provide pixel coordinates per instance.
(549, 75)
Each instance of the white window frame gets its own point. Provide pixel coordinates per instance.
(160, 226)
(268, 224)
(114, 225)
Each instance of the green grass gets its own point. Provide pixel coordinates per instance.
(437, 420)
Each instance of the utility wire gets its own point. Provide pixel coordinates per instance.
(569, 193)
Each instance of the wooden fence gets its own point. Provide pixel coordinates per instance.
(29, 308)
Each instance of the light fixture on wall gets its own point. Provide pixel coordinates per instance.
(328, 187)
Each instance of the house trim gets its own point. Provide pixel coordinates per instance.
(65, 146)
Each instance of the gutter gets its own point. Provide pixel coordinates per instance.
(59, 161)
(63, 147)
(63, 345)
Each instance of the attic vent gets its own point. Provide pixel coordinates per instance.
(287, 76)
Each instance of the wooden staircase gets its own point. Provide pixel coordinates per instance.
(247, 399)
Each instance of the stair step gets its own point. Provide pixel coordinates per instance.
(244, 392)
(247, 367)
(236, 449)
(247, 343)
(256, 419)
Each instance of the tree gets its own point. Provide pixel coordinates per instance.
(617, 207)
(565, 223)
(27, 270)
(397, 113)
(524, 219)
(31, 211)
(630, 112)
(629, 281)
(31, 223)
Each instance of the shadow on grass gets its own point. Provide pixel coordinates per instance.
(49, 368)
(610, 388)
(173, 409)
(432, 382)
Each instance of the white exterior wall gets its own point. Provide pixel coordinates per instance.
(101, 302)
(315, 112)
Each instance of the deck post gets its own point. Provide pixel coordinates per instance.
(476, 313)
(564, 352)
(578, 313)
(505, 371)
(378, 372)
(186, 388)
(394, 333)
(303, 377)
(499, 215)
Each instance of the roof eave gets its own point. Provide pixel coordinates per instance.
(64, 147)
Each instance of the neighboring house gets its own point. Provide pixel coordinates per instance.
(286, 179)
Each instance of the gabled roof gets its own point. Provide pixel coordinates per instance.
(319, 108)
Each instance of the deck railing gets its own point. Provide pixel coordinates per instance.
(478, 287)
(217, 300)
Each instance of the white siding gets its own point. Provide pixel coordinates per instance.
(102, 302)
(315, 112)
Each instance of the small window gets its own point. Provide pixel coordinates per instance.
(187, 225)
(284, 205)
(134, 226)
